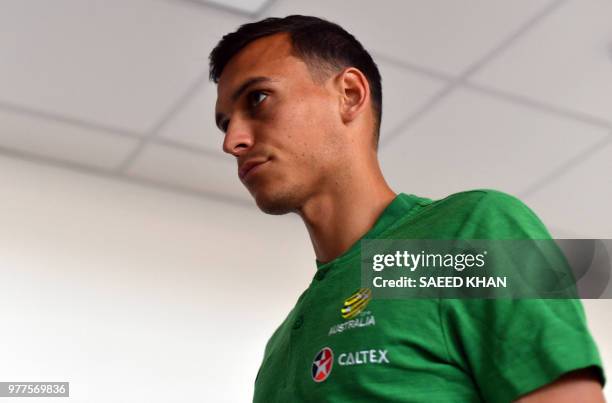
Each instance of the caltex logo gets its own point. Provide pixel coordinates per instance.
(322, 364)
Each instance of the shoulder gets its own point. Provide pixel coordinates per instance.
(486, 213)
(469, 200)
(475, 197)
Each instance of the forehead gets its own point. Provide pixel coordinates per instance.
(269, 56)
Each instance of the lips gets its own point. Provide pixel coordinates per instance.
(247, 166)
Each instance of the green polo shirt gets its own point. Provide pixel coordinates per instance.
(425, 350)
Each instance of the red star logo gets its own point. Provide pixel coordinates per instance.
(322, 364)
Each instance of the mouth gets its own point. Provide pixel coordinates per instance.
(249, 168)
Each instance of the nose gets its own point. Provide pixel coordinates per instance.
(238, 138)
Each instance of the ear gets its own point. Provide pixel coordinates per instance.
(354, 93)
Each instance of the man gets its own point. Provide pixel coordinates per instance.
(300, 103)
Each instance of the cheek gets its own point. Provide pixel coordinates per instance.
(296, 130)
(306, 135)
(313, 112)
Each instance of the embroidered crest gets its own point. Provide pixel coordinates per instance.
(356, 303)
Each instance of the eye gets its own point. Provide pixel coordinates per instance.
(224, 125)
(254, 96)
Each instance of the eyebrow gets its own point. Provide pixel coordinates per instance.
(242, 88)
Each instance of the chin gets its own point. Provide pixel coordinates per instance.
(276, 202)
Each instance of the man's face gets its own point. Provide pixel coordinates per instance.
(286, 124)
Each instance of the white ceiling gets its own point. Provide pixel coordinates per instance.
(513, 95)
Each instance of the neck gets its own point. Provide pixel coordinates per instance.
(339, 217)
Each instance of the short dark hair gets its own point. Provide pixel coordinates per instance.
(324, 46)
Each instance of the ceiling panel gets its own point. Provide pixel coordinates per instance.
(245, 6)
(57, 140)
(578, 202)
(194, 124)
(190, 170)
(133, 64)
(403, 93)
(565, 61)
(439, 34)
(474, 141)
(122, 63)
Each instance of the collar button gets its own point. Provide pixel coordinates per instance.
(320, 274)
(298, 322)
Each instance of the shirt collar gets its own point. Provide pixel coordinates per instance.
(399, 207)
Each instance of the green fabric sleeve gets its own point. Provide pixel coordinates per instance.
(512, 347)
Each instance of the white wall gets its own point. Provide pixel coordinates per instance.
(138, 295)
